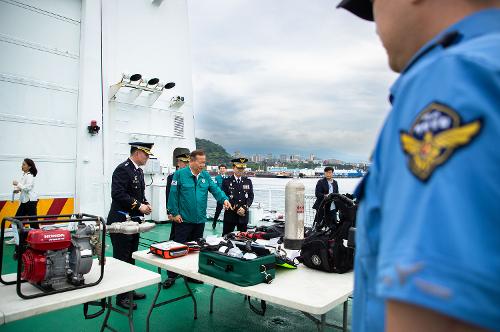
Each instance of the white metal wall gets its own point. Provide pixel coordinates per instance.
(150, 38)
(39, 75)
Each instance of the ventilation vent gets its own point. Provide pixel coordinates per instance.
(179, 126)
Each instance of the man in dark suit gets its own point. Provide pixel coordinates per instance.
(325, 186)
(182, 161)
(239, 189)
(127, 193)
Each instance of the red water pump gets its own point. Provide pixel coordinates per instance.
(42, 258)
(54, 257)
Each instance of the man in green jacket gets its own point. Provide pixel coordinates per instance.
(187, 202)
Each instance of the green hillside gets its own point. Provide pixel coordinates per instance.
(216, 154)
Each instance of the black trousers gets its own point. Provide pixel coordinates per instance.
(28, 209)
(228, 227)
(123, 247)
(218, 210)
(172, 231)
(185, 232)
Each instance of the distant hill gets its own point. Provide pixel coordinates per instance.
(216, 154)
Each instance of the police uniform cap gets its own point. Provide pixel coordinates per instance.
(239, 162)
(183, 157)
(360, 8)
(146, 147)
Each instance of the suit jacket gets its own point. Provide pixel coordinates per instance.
(240, 195)
(127, 192)
(322, 189)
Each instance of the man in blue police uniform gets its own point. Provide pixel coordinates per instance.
(188, 203)
(239, 189)
(428, 226)
(182, 161)
(324, 187)
(127, 193)
(219, 179)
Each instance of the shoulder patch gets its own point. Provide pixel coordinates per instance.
(174, 183)
(436, 133)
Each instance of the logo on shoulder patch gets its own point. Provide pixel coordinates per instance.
(174, 183)
(433, 138)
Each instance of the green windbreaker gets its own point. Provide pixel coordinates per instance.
(188, 196)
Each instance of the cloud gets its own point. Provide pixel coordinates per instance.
(287, 77)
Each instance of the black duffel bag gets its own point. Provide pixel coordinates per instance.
(324, 247)
(320, 252)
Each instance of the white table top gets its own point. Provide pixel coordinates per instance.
(304, 289)
(119, 277)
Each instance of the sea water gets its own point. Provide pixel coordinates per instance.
(270, 192)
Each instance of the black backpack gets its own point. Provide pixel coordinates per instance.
(324, 248)
(319, 251)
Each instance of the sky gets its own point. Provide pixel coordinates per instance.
(287, 76)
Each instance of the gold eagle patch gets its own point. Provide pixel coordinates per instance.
(436, 133)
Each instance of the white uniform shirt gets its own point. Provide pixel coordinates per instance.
(27, 188)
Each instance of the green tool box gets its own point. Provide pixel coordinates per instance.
(236, 270)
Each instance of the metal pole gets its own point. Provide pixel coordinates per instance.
(344, 317)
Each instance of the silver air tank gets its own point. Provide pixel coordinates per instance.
(294, 214)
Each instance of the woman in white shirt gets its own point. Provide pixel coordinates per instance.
(26, 189)
(27, 195)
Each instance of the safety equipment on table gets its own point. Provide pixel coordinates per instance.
(324, 248)
(282, 259)
(169, 249)
(235, 252)
(193, 246)
(320, 252)
(249, 255)
(263, 232)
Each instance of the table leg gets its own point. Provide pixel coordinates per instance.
(323, 323)
(152, 306)
(128, 313)
(344, 317)
(212, 299)
(108, 311)
(154, 302)
(192, 296)
(131, 311)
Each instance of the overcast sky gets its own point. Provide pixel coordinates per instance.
(287, 76)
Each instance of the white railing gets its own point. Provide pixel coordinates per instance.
(273, 202)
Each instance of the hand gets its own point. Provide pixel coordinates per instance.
(170, 217)
(15, 183)
(145, 209)
(227, 205)
(241, 212)
(177, 219)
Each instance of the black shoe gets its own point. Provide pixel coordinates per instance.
(139, 296)
(125, 303)
(168, 283)
(214, 224)
(194, 281)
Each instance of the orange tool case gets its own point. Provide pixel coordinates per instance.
(169, 249)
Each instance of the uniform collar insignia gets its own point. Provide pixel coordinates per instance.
(436, 133)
